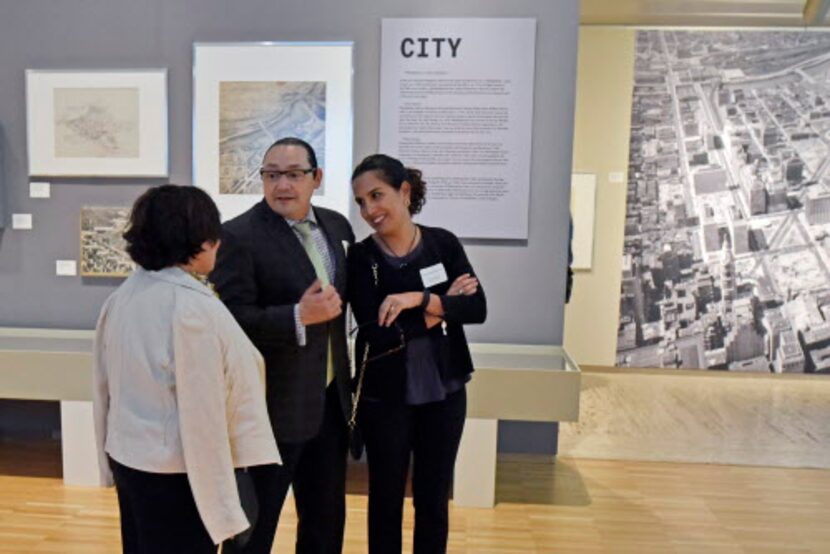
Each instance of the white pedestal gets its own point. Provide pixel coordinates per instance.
(474, 484)
(80, 458)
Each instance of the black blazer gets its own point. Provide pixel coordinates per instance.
(261, 272)
(386, 377)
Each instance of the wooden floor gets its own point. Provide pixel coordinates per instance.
(574, 505)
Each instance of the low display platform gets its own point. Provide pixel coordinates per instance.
(511, 382)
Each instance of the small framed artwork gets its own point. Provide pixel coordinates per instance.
(103, 248)
(97, 123)
(248, 95)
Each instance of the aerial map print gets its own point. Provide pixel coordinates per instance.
(103, 249)
(252, 115)
(96, 122)
(726, 257)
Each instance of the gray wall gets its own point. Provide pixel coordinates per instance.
(525, 280)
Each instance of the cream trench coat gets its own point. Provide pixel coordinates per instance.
(179, 388)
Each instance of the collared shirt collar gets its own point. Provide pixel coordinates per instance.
(310, 216)
(177, 276)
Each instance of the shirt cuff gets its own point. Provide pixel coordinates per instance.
(298, 326)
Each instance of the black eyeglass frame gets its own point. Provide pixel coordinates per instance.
(305, 171)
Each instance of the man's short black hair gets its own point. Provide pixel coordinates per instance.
(294, 141)
(169, 224)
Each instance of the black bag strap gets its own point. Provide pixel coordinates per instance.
(364, 361)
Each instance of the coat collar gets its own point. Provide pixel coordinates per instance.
(179, 277)
(280, 230)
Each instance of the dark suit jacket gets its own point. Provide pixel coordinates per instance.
(261, 272)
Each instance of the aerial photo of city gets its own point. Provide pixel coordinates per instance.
(252, 115)
(726, 262)
(103, 248)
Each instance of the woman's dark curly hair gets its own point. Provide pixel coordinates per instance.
(392, 172)
(169, 224)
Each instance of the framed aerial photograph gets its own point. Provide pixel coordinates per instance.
(97, 123)
(103, 249)
(248, 95)
(726, 257)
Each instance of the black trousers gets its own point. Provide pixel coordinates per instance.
(158, 513)
(266, 479)
(430, 435)
(317, 470)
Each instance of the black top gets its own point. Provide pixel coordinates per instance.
(424, 382)
(386, 377)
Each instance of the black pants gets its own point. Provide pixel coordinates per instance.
(267, 480)
(430, 434)
(317, 470)
(158, 513)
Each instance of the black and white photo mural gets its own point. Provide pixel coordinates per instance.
(726, 261)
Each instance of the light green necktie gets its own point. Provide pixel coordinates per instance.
(316, 258)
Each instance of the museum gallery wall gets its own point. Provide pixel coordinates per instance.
(159, 36)
(726, 256)
(48, 281)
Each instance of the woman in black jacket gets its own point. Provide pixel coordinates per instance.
(411, 289)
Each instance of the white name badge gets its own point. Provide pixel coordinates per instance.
(433, 275)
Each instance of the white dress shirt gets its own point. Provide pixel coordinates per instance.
(179, 388)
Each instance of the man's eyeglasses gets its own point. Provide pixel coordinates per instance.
(392, 350)
(293, 175)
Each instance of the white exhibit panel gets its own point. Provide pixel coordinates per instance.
(474, 481)
(583, 212)
(456, 101)
(66, 268)
(22, 222)
(97, 123)
(248, 95)
(80, 458)
(39, 189)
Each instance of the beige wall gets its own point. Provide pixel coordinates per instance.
(605, 74)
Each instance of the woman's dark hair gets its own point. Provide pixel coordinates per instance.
(392, 172)
(168, 225)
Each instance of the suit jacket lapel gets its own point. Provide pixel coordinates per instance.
(281, 233)
(336, 249)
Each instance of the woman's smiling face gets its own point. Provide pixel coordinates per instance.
(383, 207)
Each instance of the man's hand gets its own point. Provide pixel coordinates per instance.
(319, 304)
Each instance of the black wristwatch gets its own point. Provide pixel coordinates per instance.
(425, 300)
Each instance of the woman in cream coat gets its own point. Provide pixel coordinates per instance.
(179, 396)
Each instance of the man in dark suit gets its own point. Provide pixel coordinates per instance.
(281, 270)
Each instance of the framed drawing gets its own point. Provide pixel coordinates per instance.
(103, 249)
(97, 123)
(583, 203)
(248, 95)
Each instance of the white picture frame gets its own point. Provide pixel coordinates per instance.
(583, 213)
(260, 74)
(97, 123)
